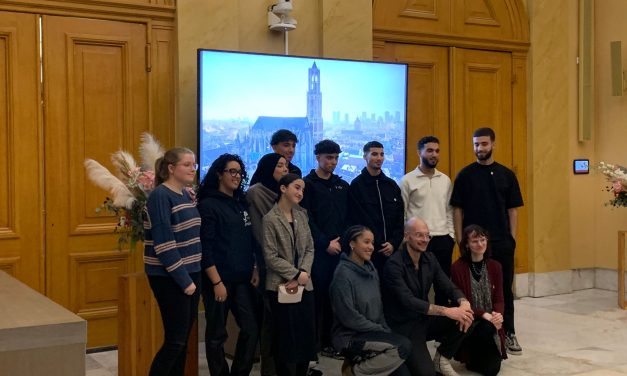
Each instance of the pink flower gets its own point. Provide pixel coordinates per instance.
(617, 187)
(147, 180)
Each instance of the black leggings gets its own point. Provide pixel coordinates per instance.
(178, 312)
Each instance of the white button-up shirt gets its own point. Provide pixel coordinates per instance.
(428, 198)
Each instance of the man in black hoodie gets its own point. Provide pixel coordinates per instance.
(375, 201)
(326, 199)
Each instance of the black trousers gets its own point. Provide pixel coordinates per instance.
(442, 248)
(483, 355)
(241, 301)
(503, 252)
(443, 329)
(178, 312)
(324, 314)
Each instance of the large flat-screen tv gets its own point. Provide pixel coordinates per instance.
(243, 98)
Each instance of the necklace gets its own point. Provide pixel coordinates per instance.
(474, 268)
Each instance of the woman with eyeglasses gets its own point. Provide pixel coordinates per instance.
(172, 256)
(261, 196)
(480, 279)
(230, 277)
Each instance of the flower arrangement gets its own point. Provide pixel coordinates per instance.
(617, 175)
(129, 188)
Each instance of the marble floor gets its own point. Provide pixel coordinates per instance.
(583, 333)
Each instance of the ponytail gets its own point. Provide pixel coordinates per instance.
(171, 157)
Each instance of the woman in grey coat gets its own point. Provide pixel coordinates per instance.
(288, 251)
(360, 331)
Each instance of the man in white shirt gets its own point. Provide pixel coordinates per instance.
(426, 193)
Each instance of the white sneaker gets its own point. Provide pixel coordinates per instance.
(443, 365)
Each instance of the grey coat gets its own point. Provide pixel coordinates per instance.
(278, 244)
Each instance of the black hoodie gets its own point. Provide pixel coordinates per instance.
(326, 201)
(376, 202)
(226, 236)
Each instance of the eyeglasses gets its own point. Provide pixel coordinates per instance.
(423, 235)
(233, 172)
(188, 165)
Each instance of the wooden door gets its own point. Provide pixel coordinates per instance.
(21, 232)
(481, 96)
(427, 98)
(96, 102)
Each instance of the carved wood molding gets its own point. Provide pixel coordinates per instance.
(116, 10)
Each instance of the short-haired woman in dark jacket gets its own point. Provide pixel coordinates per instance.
(230, 279)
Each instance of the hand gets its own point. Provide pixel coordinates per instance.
(334, 247)
(189, 290)
(192, 193)
(387, 249)
(292, 286)
(219, 291)
(463, 316)
(303, 278)
(497, 320)
(254, 280)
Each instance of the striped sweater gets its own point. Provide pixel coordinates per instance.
(172, 236)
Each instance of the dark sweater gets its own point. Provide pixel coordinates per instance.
(376, 202)
(356, 302)
(172, 236)
(226, 236)
(326, 201)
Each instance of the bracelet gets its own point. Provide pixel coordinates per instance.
(217, 283)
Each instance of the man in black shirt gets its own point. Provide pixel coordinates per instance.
(284, 142)
(407, 278)
(326, 200)
(375, 201)
(486, 193)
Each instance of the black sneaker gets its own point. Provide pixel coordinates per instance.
(314, 372)
(511, 344)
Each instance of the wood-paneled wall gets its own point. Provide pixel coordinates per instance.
(107, 74)
(467, 69)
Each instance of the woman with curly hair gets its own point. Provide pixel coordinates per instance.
(230, 277)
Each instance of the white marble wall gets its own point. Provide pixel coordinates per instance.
(564, 282)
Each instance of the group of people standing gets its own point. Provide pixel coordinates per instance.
(313, 265)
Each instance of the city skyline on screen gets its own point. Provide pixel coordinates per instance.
(244, 98)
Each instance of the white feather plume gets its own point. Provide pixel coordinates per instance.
(124, 163)
(150, 150)
(104, 179)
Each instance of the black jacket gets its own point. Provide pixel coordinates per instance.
(293, 169)
(326, 201)
(226, 236)
(376, 202)
(406, 290)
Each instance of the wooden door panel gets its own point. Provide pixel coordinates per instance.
(21, 232)
(481, 97)
(96, 97)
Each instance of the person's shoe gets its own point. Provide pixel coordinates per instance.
(511, 344)
(314, 372)
(443, 366)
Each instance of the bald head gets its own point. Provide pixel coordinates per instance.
(417, 234)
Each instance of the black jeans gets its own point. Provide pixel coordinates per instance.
(178, 312)
(503, 252)
(241, 301)
(442, 248)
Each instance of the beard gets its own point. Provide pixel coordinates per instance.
(485, 157)
(428, 164)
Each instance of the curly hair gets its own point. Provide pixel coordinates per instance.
(211, 181)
